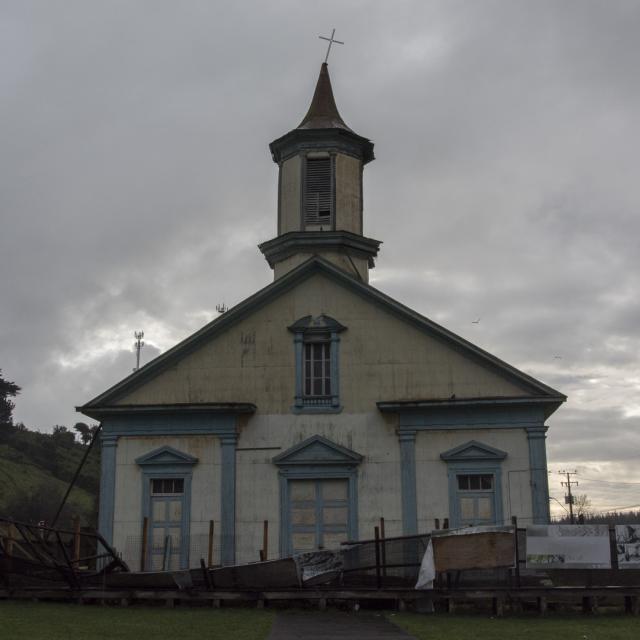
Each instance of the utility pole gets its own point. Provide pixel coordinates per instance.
(568, 499)
(137, 345)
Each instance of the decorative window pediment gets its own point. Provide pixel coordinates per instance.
(316, 352)
(473, 451)
(475, 483)
(319, 324)
(317, 450)
(166, 456)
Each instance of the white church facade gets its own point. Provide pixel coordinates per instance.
(319, 403)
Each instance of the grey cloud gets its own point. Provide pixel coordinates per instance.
(135, 181)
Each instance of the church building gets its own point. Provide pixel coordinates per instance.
(319, 403)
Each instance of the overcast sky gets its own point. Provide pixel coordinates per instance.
(136, 182)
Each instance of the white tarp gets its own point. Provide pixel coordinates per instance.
(427, 573)
(628, 546)
(568, 546)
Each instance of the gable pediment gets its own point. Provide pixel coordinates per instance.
(472, 450)
(210, 367)
(317, 450)
(164, 456)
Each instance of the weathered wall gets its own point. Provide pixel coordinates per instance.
(381, 358)
(432, 472)
(258, 498)
(340, 259)
(205, 491)
(290, 194)
(348, 203)
(257, 490)
(348, 194)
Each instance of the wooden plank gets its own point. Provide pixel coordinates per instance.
(210, 552)
(143, 550)
(76, 541)
(473, 551)
(265, 540)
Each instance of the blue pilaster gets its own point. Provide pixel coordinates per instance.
(109, 448)
(536, 437)
(408, 482)
(335, 370)
(298, 344)
(228, 499)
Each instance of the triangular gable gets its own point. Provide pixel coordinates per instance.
(166, 455)
(314, 265)
(473, 450)
(317, 450)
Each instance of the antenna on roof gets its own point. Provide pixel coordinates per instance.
(222, 308)
(137, 345)
(330, 41)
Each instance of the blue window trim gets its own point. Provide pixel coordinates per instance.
(456, 469)
(328, 460)
(472, 415)
(173, 424)
(473, 457)
(322, 325)
(167, 462)
(536, 437)
(316, 472)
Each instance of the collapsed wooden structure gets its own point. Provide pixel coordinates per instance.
(478, 571)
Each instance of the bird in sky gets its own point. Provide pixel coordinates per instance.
(476, 321)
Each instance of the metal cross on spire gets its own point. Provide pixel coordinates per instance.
(330, 41)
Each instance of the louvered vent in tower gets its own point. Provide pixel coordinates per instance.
(318, 191)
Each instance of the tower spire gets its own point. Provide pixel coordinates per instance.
(320, 191)
(323, 112)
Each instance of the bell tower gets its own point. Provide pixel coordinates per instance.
(321, 164)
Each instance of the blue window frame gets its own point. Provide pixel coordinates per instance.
(475, 498)
(318, 495)
(475, 484)
(317, 385)
(166, 503)
(318, 513)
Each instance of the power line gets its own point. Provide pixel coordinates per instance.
(609, 481)
(613, 509)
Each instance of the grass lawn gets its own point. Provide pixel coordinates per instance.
(49, 621)
(557, 626)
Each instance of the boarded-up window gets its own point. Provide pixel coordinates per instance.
(476, 499)
(318, 191)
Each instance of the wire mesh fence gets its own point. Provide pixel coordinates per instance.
(384, 561)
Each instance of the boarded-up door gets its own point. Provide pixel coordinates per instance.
(318, 514)
(166, 524)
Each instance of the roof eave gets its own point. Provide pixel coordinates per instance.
(550, 403)
(100, 412)
(540, 391)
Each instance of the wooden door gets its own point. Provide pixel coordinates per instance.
(318, 514)
(166, 524)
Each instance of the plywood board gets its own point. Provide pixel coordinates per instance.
(473, 551)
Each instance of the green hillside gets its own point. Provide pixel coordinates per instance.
(35, 471)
